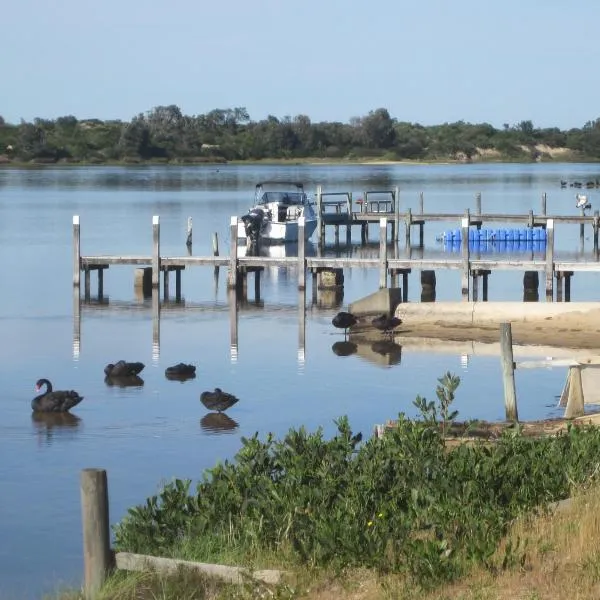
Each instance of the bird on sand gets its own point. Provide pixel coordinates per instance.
(54, 400)
(344, 320)
(385, 323)
(218, 400)
(123, 369)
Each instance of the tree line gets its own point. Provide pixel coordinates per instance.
(166, 134)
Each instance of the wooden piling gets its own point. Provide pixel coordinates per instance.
(76, 251)
(301, 254)
(215, 243)
(396, 213)
(465, 258)
(421, 203)
(233, 323)
(549, 260)
(478, 203)
(508, 372)
(233, 260)
(408, 224)
(301, 325)
(383, 252)
(97, 555)
(596, 226)
(575, 398)
(155, 324)
(155, 250)
(76, 323)
(320, 222)
(544, 204)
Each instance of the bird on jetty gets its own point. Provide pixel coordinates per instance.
(386, 324)
(123, 369)
(581, 200)
(54, 400)
(344, 320)
(218, 400)
(180, 371)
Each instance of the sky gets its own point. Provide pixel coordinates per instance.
(425, 61)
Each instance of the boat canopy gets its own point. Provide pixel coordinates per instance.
(283, 192)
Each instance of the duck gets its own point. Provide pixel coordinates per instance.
(218, 400)
(344, 320)
(385, 323)
(54, 400)
(180, 371)
(123, 369)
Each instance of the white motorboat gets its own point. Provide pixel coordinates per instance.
(274, 217)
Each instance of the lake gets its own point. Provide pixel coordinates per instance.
(152, 433)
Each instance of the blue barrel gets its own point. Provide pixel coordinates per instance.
(529, 233)
(510, 235)
(542, 235)
(536, 235)
(537, 246)
(471, 235)
(456, 235)
(522, 235)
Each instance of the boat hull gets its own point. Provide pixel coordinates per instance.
(280, 233)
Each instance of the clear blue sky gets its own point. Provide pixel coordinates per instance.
(426, 61)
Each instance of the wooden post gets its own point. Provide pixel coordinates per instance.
(97, 555)
(383, 252)
(465, 258)
(301, 326)
(568, 275)
(166, 284)
(320, 224)
(301, 254)
(100, 283)
(396, 213)
(575, 398)
(408, 224)
(76, 251)
(478, 203)
(421, 203)
(485, 285)
(233, 260)
(86, 285)
(544, 204)
(475, 285)
(549, 260)
(178, 284)
(508, 372)
(215, 243)
(155, 250)
(188, 239)
(596, 226)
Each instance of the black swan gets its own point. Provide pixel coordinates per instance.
(386, 324)
(344, 320)
(217, 422)
(180, 372)
(123, 369)
(54, 401)
(218, 400)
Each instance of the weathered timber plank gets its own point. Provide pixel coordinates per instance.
(189, 261)
(127, 561)
(116, 260)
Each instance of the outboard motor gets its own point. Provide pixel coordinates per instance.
(253, 222)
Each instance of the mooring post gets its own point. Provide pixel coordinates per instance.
(544, 204)
(465, 258)
(76, 251)
(233, 323)
(233, 259)
(408, 223)
(549, 260)
(421, 202)
(383, 252)
(475, 276)
(478, 203)
(178, 284)
(97, 555)
(508, 372)
(166, 284)
(301, 254)
(155, 250)
(320, 224)
(301, 326)
(76, 323)
(396, 213)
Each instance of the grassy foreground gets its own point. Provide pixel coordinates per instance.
(561, 552)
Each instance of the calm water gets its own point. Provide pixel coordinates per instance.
(146, 435)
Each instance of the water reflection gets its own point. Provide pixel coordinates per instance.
(344, 348)
(50, 426)
(218, 422)
(124, 381)
(180, 376)
(388, 349)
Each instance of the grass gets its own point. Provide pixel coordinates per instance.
(555, 553)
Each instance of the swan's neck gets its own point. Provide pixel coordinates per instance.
(48, 385)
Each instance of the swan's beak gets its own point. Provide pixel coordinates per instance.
(36, 388)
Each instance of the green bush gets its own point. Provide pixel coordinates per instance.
(402, 503)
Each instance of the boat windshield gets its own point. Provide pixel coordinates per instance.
(290, 198)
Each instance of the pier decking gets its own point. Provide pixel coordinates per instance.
(376, 207)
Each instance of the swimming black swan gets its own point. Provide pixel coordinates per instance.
(344, 320)
(54, 401)
(218, 400)
(180, 372)
(123, 369)
(385, 323)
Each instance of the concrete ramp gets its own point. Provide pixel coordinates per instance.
(384, 300)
